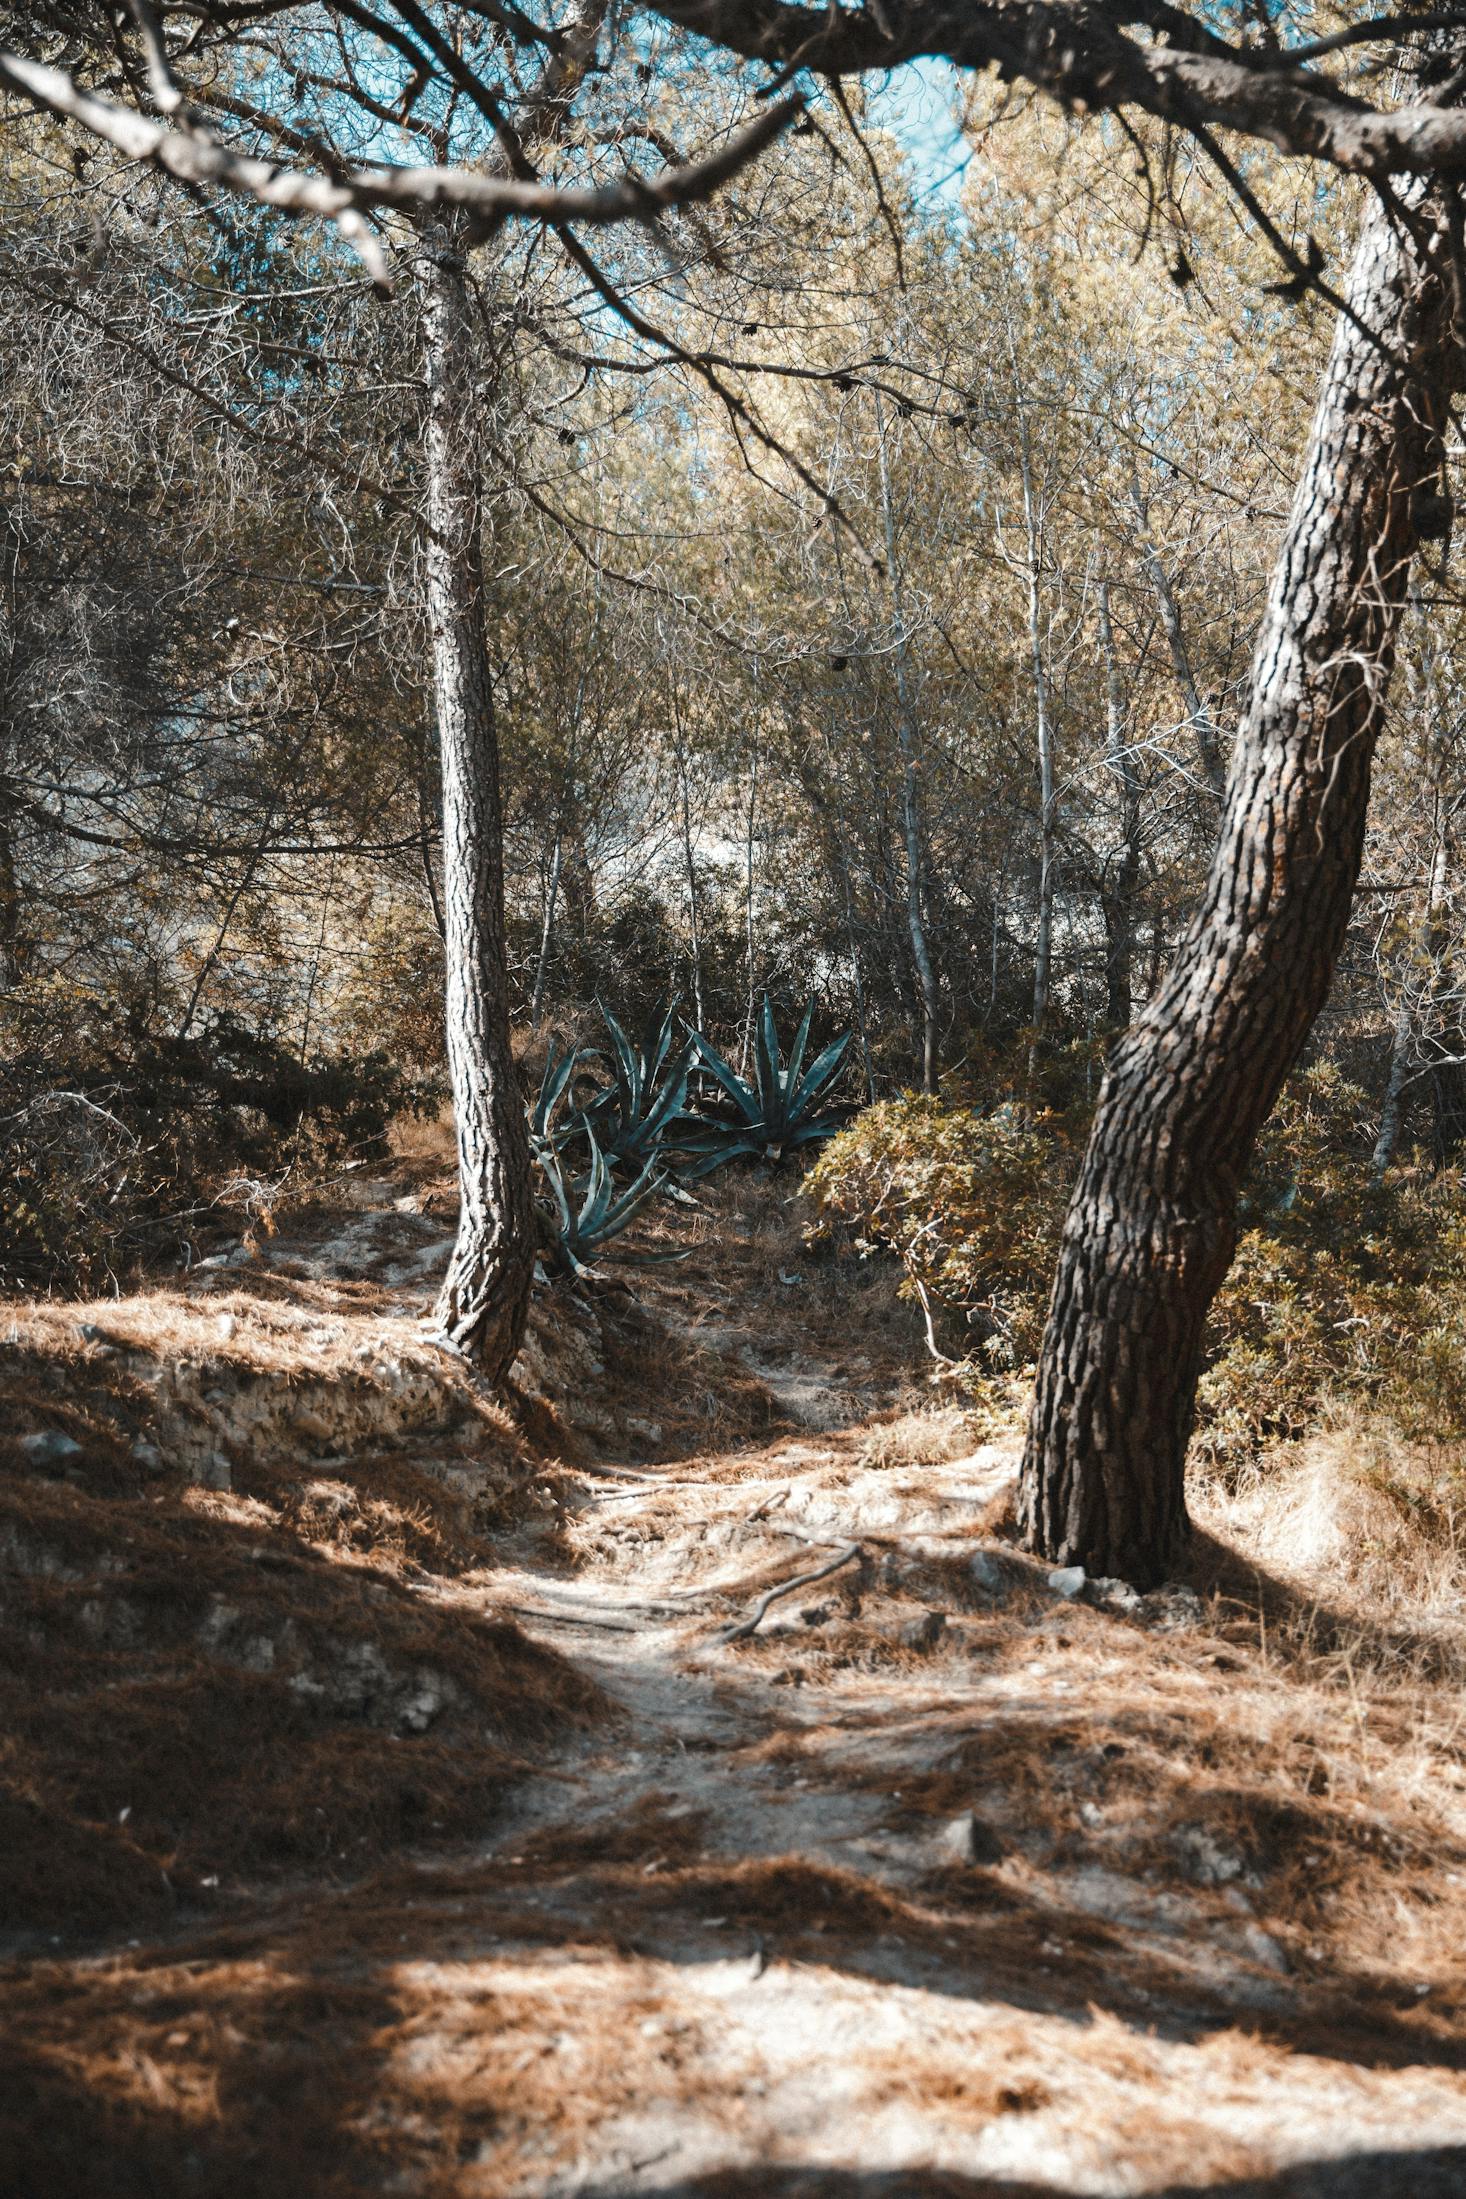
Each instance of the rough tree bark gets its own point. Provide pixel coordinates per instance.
(1122, 872)
(1152, 1225)
(485, 1297)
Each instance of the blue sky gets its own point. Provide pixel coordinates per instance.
(918, 105)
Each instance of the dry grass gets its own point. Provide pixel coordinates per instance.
(200, 1686)
(1225, 1844)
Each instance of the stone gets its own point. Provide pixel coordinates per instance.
(1171, 1607)
(989, 1573)
(216, 1472)
(1205, 1857)
(1068, 1580)
(817, 1614)
(49, 1447)
(423, 1706)
(148, 1456)
(1115, 1595)
(89, 1333)
(1264, 1950)
(225, 1326)
(968, 1839)
(924, 1632)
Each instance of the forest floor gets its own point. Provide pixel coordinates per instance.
(387, 1810)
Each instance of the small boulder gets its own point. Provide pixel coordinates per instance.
(215, 1472)
(968, 1839)
(1068, 1580)
(148, 1456)
(1206, 1856)
(1171, 1608)
(1114, 1595)
(989, 1573)
(49, 1448)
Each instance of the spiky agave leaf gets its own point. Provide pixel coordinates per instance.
(769, 1064)
(558, 1073)
(592, 1211)
(784, 1112)
(742, 1094)
(632, 1115)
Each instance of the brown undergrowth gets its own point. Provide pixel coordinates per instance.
(593, 1900)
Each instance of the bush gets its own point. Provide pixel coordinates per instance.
(970, 1204)
(1341, 1288)
(114, 1138)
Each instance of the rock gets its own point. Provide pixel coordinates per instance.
(215, 1472)
(1205, 1857)
(89, 1333)
(989, 1573)
(423, 1706)
(49, 1447)
(817, 1614)
(968, 1839)
(1264, 1950)
(1115, 1595)
(148, 1456)
(924, 1632)
(1068, 1580)
(226, 1325)
(1169, 1608)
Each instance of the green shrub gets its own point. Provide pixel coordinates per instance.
(1341, 1287)
(970, 1204)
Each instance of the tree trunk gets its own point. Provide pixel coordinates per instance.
(911, 819)
(1152, 1224)
(1122, 874)
(1392, 1112)
(12, 951)
(1445, 1040)
(1207, 744)
(485, 1297)
(1043, 956)
(689, 861)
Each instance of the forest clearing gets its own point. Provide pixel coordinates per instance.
(732, 1100)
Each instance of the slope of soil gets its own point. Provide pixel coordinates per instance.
(391, 1805)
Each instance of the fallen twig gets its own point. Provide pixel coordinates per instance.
(630, 1620)
(566, 1618)
(755, 1619)
(614, 1473)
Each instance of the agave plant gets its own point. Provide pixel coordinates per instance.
(590, 1211)
(545, 1135)
(783, 1108)
(630, 1118)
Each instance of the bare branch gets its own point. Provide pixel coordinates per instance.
(197, 158)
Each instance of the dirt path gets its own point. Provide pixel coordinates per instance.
(941, 1881)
